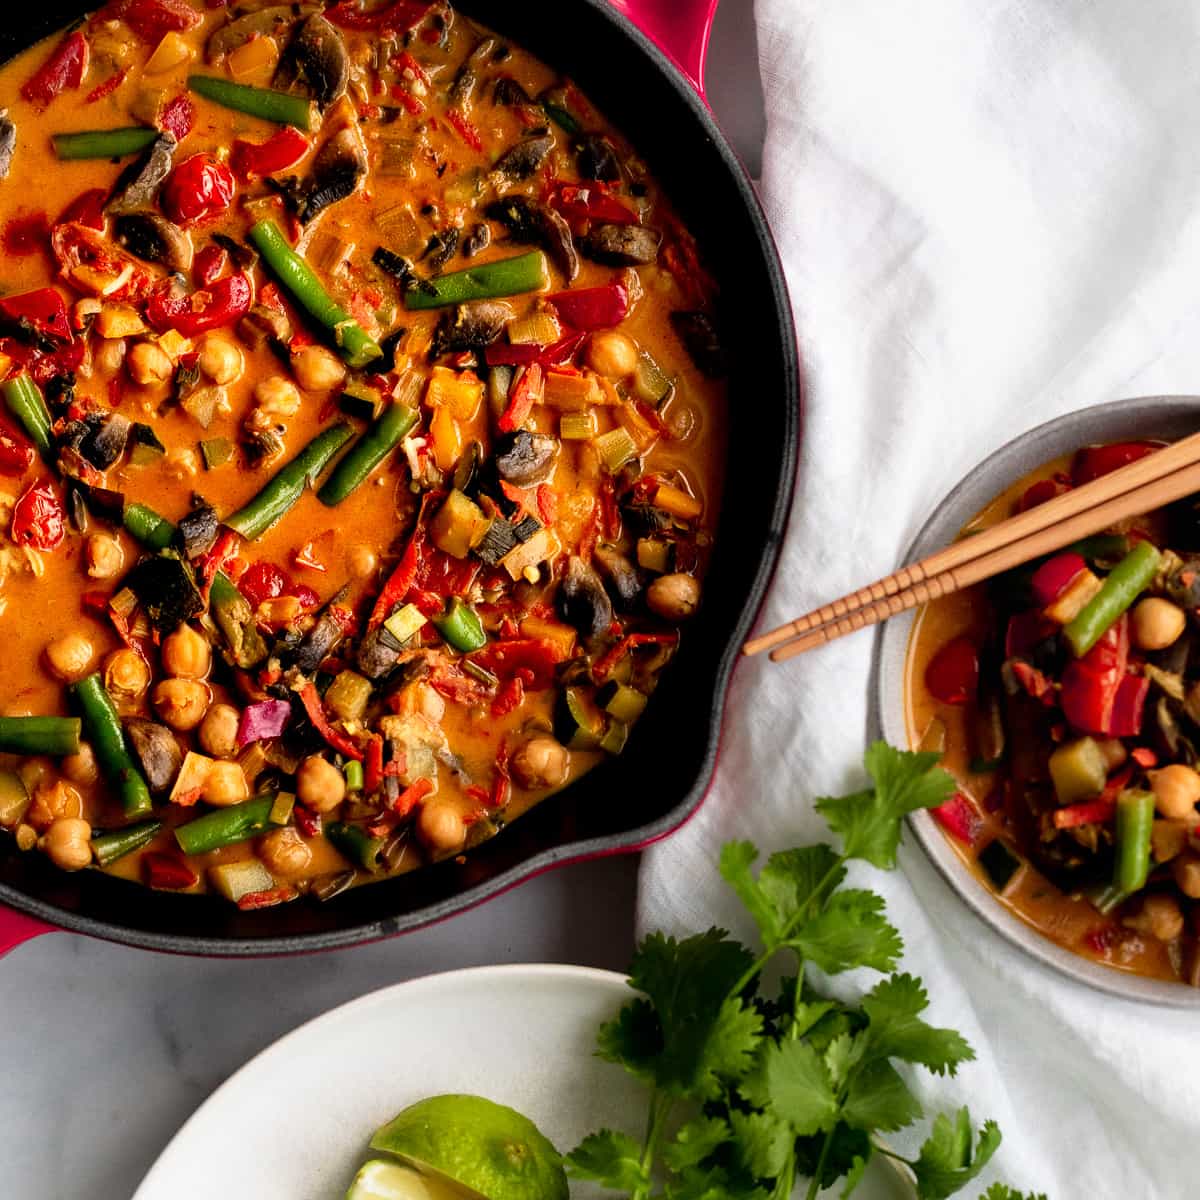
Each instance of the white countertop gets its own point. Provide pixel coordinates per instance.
(108, 1050)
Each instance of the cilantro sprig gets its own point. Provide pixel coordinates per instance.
(751, 1093)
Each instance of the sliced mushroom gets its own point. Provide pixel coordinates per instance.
(479, 238)
(582, 600)
(526, 458)
(158, 752)
(267, 22)
(536, 224)
(138, 184)
(699, 336)
(596, 158)
(523, 159)
(8, 142)
(378, 653)
(337, 171)
(316, 57)
(151, 237)
(471, 326)
(624, 582)
(622, 245)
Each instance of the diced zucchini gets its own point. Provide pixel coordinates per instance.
(202, 404)
(615, 736)
(999, 863)
(14, 799)
(216, 452)
(615, 448)
(458, 526)
(578, 723)
(364, 405)
(1079, 770)
(649, 382)
(653, 554)
(419, 763)
(281, 808)
(237, 879)
(577, 426)
(498, 539)
(624, 703)
(347, 696)
(405, 623)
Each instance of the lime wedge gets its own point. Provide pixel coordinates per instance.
(379, 1180)
(482, 1148)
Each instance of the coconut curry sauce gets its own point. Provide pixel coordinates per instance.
(360, 444)
(1064, 697)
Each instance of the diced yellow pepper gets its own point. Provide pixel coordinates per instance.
(562, 636)
(447, 439)
(257, 57)
(677, 502)
(461, 394)
(173, 51)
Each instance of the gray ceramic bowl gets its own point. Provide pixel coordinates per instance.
(1167, 417)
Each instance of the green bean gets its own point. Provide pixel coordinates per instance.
(253, 519)
(280, 107)
(1120, 589)
(353, 842)
(24, 400)
(103, 143)
(367, 453)
(1135, 820)
(461, 627)
(108, 847)
(108, 743)
(354, 344)
(225, 826)
(57, 736)
(153, 531)
(502, 277)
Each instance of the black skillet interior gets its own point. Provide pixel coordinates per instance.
(660, 779)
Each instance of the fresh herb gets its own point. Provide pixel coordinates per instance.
(751, 1092)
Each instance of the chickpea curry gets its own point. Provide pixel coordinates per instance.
(360, 441)
(1065, 696)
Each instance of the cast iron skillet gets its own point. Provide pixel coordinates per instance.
(661, 778)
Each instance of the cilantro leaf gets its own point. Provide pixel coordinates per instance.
(845, 1146)
(763, 1142)
(947, 1160)
(1001, 1191)
(712, 1184)
(897, 1032)
(633, 1040)
(869, 821)
(610, 1158)
(854, 1176)
(852, 931)
(879, 1099)
(695, 1141)
(792, 1081)
(841, 1056)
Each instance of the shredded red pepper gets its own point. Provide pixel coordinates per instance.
(109, 86)
(316, 714)
(412, 796)
(307, 821)
(373, 766)
(266, 899)
(402, 578)
(526, 393)
(465, 129)
(603, 667)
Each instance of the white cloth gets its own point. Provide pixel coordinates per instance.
(989, 211)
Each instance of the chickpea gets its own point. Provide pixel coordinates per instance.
(81, 767)
(220, 359)
(53, 800)
(317, 369)
(1176, 790)
(1156, 623)
(541, 762)
(105, 558)
(1159, 917)
(361, 561)
(70, 657)
(613, 354)
(277, 395)
(126, 676)
(218, 731)
(181, 703)
(674, 597)
(284, 852)
(186, 653)
(67, 843)
(225, 784)
(441, 828)
(1186, 870)
(148, 364)
(319, 784)
(109, 356)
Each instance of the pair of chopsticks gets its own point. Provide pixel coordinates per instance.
(1139, 487)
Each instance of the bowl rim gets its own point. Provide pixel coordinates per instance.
(1167, 416)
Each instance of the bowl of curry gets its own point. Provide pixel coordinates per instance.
(364, 450)
(1060, 696)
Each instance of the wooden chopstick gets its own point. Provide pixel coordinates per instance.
(1140, 487)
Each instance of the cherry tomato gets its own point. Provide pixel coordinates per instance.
(263, 581)
(198, 188)
(16, 454)
(87, 208)
(307, 597)
(1093, 461)
(220, 303)
(953, 673)
(38, 519)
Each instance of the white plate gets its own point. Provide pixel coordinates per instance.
(293, 1124)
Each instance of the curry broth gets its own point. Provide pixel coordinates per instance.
(45, 604)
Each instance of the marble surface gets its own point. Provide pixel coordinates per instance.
(108, 1050)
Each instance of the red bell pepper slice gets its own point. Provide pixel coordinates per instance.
(222, 303)
(44, 309)
(63, 70)
(443, 575)
(320, 722)
(465, 129)
(209, 264)
(1093, 461)
(1090, 684)
(284, 149)
(167, 871)
(590, 203)
(525, 394)
(404, 576)
(178, 117)
(38, 519)
(1129, 706)
(307, 821)
(959, 818)
(593, 308)
(373, 765)
(537, 656)
(397, 17)
(152, 19)
(509, 697)
(1055, 575)
(1097, 811)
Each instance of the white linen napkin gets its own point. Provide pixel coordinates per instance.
(990, 214)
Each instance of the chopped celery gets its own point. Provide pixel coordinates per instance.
(406, 623)
(615, 448)
(347, 696)
(281, 809)
(577, 426)
(624, 703)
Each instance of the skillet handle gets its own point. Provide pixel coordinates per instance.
(16, 928)
(680, 28)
